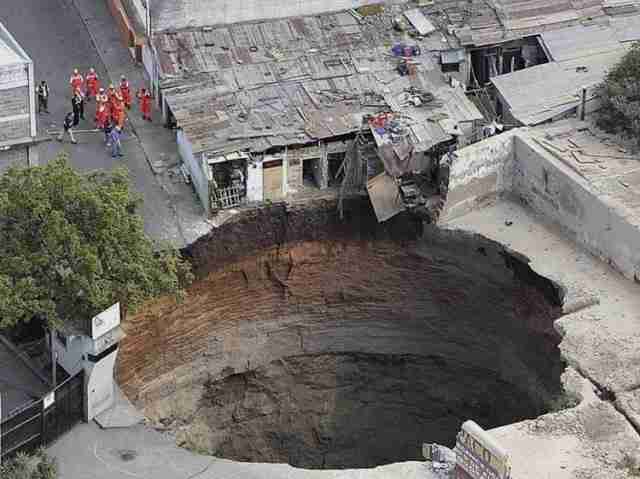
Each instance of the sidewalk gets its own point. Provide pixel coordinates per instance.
(158, 143)
(87, 452)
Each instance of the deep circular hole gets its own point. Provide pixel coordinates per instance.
(354, 354)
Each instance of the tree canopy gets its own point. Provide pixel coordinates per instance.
(72, 244)
(620, 111)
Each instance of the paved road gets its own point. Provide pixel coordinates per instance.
(55, 36)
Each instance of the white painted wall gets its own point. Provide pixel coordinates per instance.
(71, 356)
(194, 165)
(255, 183)
(99, 385)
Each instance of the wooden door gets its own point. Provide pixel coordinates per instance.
(272, 180)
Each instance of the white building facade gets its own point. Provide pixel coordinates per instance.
(17, 105)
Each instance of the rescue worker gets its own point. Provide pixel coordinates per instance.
(125, 91)
(101, 115)
(77, 102)
(76, 81)
(118, 113)
(102, 106)
(67, 127)
(144, 98)
(43, 97)
(93, 83)
(111, 95)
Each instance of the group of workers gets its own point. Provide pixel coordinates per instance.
(112, 105)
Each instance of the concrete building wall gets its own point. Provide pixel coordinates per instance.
(321, 169)
(255, 181)
(478, 173)
(512, 164)
(294, 172)
(17, 104)
(194, 164)
(17, 118)
(590, 217)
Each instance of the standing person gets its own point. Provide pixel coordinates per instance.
(93, 83)
(102, 100)
(125, 91)
(144, 98)
(101, 115)
(43, 97)
(67, 127)
(77, 102)
(76, 81)
(111, 95)
(116, 146)
(118, 113)
(108, 126)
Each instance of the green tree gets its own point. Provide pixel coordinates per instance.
(620, 112)
(36, 466)
(71, 245)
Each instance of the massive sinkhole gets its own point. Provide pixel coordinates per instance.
(329, 344)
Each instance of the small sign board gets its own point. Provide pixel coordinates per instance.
(479, 456)
(105, 321)
(49, 399)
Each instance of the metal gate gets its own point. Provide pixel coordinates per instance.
(43, 421)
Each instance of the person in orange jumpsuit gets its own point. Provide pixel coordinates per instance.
(102, 100)
(111, 95)
(117, 114)
(102, 115)
(125, 91)
(93, 83)
(145, 98)
(76, 81)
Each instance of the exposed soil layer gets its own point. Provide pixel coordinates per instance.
(345, 352)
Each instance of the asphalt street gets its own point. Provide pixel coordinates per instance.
(57, 39)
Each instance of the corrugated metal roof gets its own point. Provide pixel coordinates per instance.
(282, 88)
(579, 41)
(545, 91)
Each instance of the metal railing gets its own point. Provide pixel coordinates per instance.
(42, 421)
